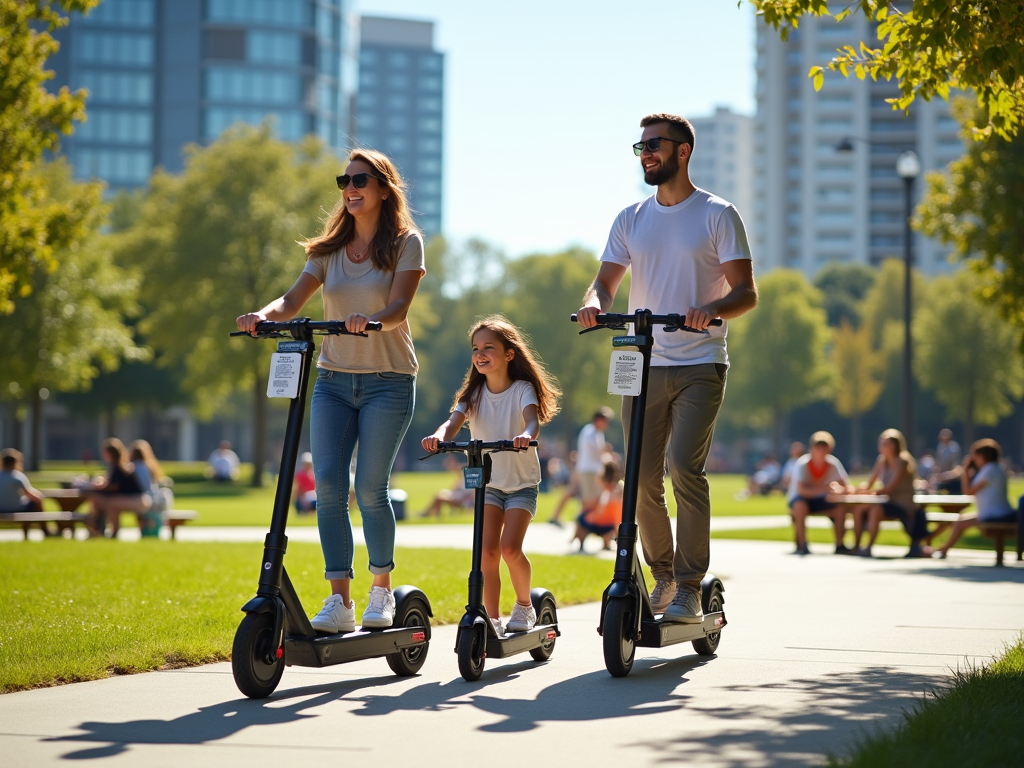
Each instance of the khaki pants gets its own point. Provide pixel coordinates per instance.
(682, 405)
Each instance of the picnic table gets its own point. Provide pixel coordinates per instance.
(68, 499)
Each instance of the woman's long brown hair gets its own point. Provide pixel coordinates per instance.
(395, 219)
(525, 365)
(115, 447)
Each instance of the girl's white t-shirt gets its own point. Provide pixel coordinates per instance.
(500, 417)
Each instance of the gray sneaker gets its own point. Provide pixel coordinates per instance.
(662, 594)
(685, 608)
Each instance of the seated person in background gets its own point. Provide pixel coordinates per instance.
(118, 492)
(925, 473)
(815, 476)
(456, 497)
(946, 475)
(767, 476)
(304, 487)
(895, 469)
(16, 491)
(985, 479)
(796, 450)
(606, 515)
(224, 463)
(149, 474)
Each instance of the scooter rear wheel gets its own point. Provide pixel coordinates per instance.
(619, 634)
(472, 652)
(407, 662)
(707, 645)
(253, 675)
(545, 609)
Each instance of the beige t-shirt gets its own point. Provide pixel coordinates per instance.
(359, 288)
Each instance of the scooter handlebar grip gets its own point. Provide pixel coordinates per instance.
(373, 325)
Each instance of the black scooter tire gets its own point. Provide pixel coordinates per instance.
(708, 645)
(619, 635)
(472, 652)
(253, 676)
(545, 609)
(407, 662)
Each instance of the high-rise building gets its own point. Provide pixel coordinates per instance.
(723, 159)
(165, 73)
(400, 107)
(814, 202)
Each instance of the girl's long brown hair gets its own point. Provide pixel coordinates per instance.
(142, 451)
(395, 219)
(525, 365)
(896, 438)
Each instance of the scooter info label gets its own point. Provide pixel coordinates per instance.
(625, 373)
(284, 374)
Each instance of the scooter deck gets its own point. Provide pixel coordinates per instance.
(325, 650)
(658, 633)
(518, 642)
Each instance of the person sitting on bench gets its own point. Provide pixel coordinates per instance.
(605, 517)
(985, 480)
(816, 475)
(16, 491)
(118, 492)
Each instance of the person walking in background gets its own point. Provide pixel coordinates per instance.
(687, 251)
(120, 491)
(984, 478)
(304, 486)
(16, 491)
(589, 461)
(815, 475)
(506, 395)
(895, 468)
(224, 463)
(948, 460)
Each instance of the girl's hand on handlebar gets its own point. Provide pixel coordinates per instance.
(248, 322)
(587, 316)
(522, 442)
(430, 443)
(699, 317)
(356, 323)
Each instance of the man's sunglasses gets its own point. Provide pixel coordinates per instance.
(358, 180)
(652, 145)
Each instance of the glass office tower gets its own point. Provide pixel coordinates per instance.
(165, 73)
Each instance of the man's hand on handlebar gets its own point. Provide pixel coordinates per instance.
(587, 316)
(356, 323)
(247, 323)
(699, 318)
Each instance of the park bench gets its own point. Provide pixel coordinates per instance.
(176, 517)
(63, 521)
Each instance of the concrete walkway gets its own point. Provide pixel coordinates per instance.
(818, 650)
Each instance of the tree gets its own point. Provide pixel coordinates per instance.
(932, 48)
(842, 287)
(859, 371)
(778, 353)
(219, 240)
(71, 325)
(975, 206)
(967, 354)
(33, 227)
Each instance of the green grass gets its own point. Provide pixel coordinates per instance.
(975, 721)
(824, 536)
(72, 611)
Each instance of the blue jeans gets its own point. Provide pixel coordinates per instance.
(375, 409)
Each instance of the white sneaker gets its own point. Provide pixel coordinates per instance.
(380, 613)
(523, 618)
(334, 617)
(496, 623)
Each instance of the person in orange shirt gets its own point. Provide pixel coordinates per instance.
(304, 493)
(605, 517)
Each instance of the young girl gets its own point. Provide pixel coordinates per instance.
(895, 468)
(506, 395)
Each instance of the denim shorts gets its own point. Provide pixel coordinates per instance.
(816, 505)
(523, 498)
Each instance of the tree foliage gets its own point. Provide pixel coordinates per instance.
(33, 227)
(975, 205)
(967, 354)
(843, 287)
(931, 48)
(859, 370)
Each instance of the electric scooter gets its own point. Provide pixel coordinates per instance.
(477, 638)
(275, 631)
(627, 618)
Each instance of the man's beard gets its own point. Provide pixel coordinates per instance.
(663, 173)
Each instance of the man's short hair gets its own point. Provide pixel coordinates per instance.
(10, 458)
(823, 438)
(988, 449)
(604, 412)
(679, 128)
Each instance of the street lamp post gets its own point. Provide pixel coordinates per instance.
(908, 167)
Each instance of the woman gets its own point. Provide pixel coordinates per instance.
(369, 261)
(895, 468)
(149, 473)
(120, 491)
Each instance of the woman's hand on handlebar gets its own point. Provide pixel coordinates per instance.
(522, 442)
(698, 318)
(356, 323)
(587, 316)
(249, 321)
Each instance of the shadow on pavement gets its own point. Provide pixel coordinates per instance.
(980, 574)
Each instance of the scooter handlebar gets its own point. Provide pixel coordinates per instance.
(463, 447)
(672, 319)
(269, 328)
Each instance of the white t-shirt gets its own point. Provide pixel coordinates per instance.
(223, 463)
(589, 447)
(676, 255)
(991, 500)
(500, 417)
(802, 474)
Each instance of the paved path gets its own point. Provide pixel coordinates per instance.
(818, 650)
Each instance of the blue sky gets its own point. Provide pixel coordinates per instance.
(543, 99)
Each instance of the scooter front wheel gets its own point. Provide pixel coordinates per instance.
(472, 652)
(253, 675)
(619, 634)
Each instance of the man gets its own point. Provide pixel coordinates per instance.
(16, 491)
(589, 461)
(947, 463)
(224, 463)
(815, 475)
(688, 252)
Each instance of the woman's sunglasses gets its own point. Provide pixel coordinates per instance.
(653, 145)
(358, 180)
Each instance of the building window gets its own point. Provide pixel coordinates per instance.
(114, 166)
(114, 48)
(274, 48)
(429, 166)
(245, 86)
(327, 96)
(886, 217)
(430, 62)
(398, 82)
(399, 60)
(116, 87)
(327, 22)
(367, 57)
(289, 125)
(120, 13)
(290, 13)
(430, 84)
(431, 187)
(885, 241)
(367, 80)
(398, 101)
(430, 125)
(398, 124)
(367, 99)
(117, 125)
(429, 146)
